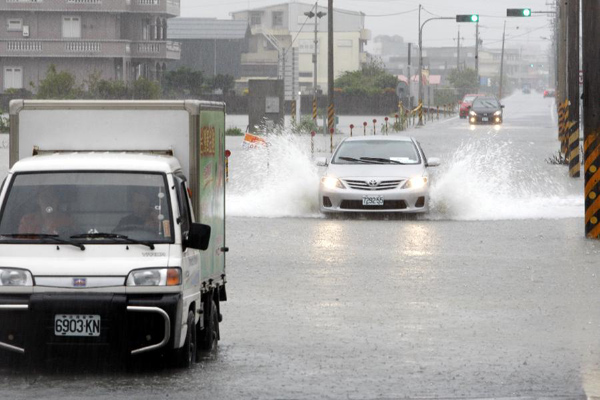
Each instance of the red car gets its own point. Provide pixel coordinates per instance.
(466, 103)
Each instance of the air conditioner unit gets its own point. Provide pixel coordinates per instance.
(25, 30)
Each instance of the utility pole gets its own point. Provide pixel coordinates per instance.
(502, 63)
(331, 107)
(458, 50)
(562, 53)
(591, 116)
(316, 15)
(572, 130)
(409, 79)
(420, 71)
(477, 52)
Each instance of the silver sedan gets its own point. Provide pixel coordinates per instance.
(376, 174)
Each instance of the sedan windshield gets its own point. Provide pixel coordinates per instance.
(87, 206)
(377, 152)
(486, 103)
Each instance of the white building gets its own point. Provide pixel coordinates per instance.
(279, 28)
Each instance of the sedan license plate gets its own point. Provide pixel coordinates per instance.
(372, 200)
(484, 119)
(76, 325)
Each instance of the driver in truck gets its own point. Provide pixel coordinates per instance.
(47, 218)
(143, 213)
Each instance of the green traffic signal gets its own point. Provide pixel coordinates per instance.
(467, 18)
(518, 12)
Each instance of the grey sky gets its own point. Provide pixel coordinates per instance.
(520, 31)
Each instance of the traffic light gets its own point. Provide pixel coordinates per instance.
(518, 12)
(467, 18)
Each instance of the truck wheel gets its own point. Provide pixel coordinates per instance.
(186, 355)
(210, 335)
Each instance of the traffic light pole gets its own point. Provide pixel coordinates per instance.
(591, 116)
(477, 54)
(421, 94)
(502, 63)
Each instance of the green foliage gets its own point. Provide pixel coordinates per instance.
(144, 89)
(306, 125)
(234, 132)
(184, 82)
(4, 125)
(223, 82)
(58, 85)
(102, 89)
(464, 81)
(445, 96)
(371, 79)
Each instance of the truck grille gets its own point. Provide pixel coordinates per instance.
(365, 185)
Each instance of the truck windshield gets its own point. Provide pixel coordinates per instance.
(85, 204)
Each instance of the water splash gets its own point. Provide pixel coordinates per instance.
(487, 180)
(280, 180)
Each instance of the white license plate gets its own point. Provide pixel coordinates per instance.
(76, 325)
(484, 119)
(372, 200)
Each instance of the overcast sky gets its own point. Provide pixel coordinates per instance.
(519, 31)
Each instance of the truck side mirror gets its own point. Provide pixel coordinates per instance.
(198, 237)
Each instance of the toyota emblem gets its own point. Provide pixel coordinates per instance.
(373, 183)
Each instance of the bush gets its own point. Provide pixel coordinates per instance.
(306, 125)
(144, 89)
(102, 89)
(234, 132)
(58, 85)
(4, 127)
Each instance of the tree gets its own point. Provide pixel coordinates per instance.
(464, 81)
(371, 79)
(224, 83)
(58, 85)
(184, 82)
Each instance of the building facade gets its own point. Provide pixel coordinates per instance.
(116, 39)
(278, 29)
(210, 45)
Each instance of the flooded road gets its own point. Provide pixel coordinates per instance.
(494, 294)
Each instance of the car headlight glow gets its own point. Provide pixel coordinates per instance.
(15, 277)
(332, 183)
(498, 113)
(418, 182)
(472, 113)
(155, 277)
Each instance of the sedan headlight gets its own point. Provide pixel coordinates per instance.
(498, 113)
(418, 182)
(472, 113)
(331, 183)
(155, 277)
(15, 277)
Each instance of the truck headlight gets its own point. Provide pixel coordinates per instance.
(472, 113)
(498, 113)
(417, 182)
(15, 277)
(155, 277)
(331, 183)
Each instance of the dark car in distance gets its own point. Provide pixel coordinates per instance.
(486, 110)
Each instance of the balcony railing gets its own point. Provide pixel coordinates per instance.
(157, 49)
(169, 7)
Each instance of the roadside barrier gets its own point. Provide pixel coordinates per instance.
(293, 110)
(573, 148)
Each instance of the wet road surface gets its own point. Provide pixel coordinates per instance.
(495, 294)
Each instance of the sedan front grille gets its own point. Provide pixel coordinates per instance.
(387, 205)
(367, 185)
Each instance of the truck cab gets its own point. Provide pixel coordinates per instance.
(106, 246)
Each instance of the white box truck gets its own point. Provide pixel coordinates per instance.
(112, 229)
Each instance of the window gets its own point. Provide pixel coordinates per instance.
(277, 18)
(255, 19)
(13, 78)
(71, 27)
(14, 24)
